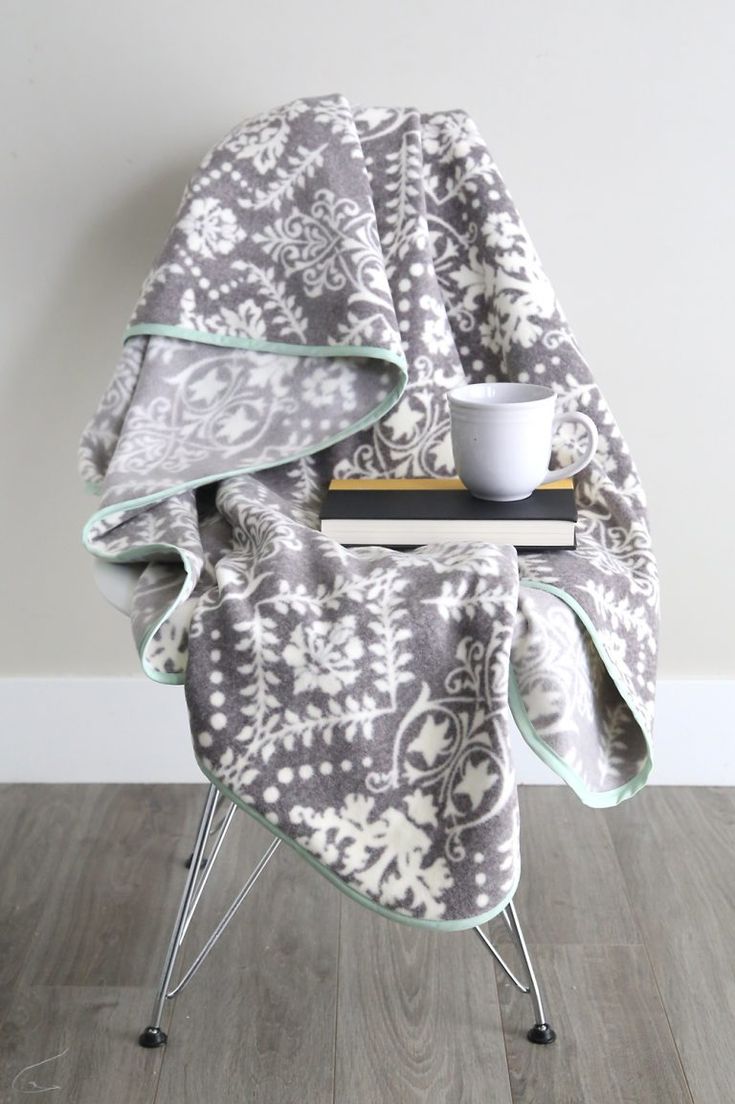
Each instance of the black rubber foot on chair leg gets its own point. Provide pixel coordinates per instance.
(152, 1037)
(190, 860)
(541, 1033)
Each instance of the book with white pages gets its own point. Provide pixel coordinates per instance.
(399, 513)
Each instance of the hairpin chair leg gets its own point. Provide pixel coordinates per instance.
(154, 1035)
(214, 831)
(196, 880)
(542, 1032)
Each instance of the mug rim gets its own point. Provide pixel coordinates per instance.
(458, 395)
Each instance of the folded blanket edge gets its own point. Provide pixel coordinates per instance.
(455, 925)
(258, 345)
(596, 799)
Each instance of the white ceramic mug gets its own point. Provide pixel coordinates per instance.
(502, 435)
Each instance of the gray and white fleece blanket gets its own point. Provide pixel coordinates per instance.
(332, 271)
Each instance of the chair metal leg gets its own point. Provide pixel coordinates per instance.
(214, 831)
(154, 1035)
(542, 1032)
(252, 879)
(196, 880)
(207, 867)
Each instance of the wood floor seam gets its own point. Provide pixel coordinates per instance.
(336, 1004)
(654, 973)
(514, 1098)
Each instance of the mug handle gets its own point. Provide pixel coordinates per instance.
(589, 452)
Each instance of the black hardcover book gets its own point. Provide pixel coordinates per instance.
(410, 512)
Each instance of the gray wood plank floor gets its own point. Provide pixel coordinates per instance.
(310, 999)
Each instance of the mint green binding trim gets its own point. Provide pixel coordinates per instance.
(157, 329)
(138, 555)
(353, 894)
(595, 799)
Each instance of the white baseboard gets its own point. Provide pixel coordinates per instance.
(132, 730)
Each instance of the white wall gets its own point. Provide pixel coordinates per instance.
(611, 123)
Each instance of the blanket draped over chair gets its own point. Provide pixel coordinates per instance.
(332, 271)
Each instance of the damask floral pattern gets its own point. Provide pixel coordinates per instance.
(311, 234)
(331, 273)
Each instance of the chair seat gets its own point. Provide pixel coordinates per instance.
(116, 583)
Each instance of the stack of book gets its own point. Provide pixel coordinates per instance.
(399, 513)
